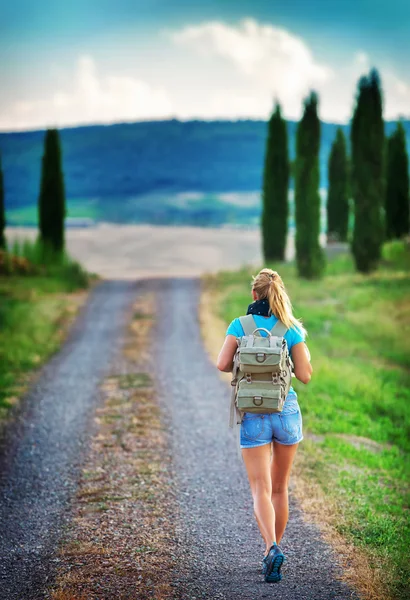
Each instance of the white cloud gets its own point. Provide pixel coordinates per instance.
(254, 47)
(396, 95)
(272, 62)
(211, 70)
(93, 99)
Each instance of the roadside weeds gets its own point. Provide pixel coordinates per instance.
(359, 568)
(30, 349)
(212, 326)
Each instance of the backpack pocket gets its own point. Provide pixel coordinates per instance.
(259, 359)
(259, 397)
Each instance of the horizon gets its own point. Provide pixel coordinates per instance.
(170, 120)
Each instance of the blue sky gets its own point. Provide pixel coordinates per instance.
(102, 61)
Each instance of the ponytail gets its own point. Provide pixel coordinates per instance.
(268, 285)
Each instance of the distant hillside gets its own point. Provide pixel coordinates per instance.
(108, 168)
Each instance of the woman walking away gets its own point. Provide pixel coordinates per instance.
(269, 441)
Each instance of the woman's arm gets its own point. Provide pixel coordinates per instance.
(225, 358)
(301, 361)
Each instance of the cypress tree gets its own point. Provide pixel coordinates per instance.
(275, 189)
(309, 255)
(52, 196)
(397, 189)
(337, 195)
(2, 211)
(367, 138)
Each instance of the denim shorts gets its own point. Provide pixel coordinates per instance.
(284, 427)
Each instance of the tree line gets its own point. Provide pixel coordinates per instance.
(375, 176)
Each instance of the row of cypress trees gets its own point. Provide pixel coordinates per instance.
(51, 201)
(376, 177)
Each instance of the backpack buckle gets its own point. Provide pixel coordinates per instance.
(258, 400)
(248, 378)
(260, 357)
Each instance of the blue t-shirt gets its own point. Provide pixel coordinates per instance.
(293, 335)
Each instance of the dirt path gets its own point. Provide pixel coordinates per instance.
(220, 549)
(217, 550)
(41, 456)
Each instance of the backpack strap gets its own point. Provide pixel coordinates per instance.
(279, 329)
(234, 383)
(248, 324)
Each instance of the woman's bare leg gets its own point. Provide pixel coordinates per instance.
(282, 461)
(257, 462)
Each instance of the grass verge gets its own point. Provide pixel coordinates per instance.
(37, 304)
(353, 467)
(119, 544)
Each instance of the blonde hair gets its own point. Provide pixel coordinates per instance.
(268, 285)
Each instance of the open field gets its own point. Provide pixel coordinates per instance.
(356, 410)
(140, 251)
(143, 251)
(129, 172)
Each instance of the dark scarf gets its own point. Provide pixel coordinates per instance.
(259, 307)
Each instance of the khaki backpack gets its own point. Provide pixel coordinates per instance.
(262, 370)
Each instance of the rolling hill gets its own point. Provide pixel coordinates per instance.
(194, 172)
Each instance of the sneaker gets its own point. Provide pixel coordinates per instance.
(274, 562)
(264, 564)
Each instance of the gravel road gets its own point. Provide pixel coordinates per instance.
(41, 455)
(219, 547)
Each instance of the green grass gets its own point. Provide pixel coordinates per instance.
(358, 402)
(43, 260)
(33, 311)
